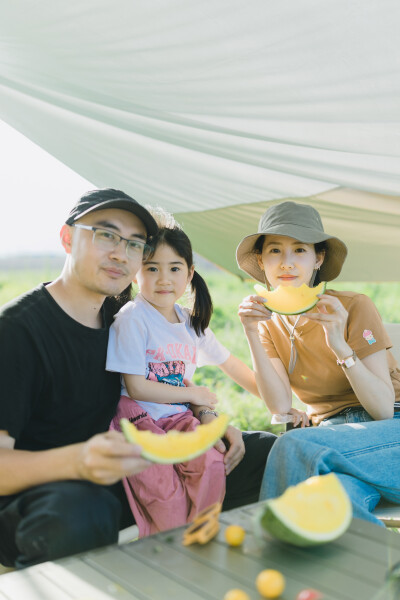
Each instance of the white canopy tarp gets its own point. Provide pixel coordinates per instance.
(215, 109)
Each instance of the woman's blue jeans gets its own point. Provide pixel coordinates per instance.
(365, 455)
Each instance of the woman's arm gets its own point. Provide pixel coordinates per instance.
(369, 377)
(270, 374)
(145, 390)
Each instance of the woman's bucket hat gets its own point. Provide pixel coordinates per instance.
(301, 222)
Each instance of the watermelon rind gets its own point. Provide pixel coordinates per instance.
(182, 456)
(268, 520)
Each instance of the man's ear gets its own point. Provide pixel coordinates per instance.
(66, 238)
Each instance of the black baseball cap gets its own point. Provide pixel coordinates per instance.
(110, 198)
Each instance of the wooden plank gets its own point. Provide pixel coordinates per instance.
(62, 580)
(142, 576)
(160, 567)
(362, 556)
(213, 569)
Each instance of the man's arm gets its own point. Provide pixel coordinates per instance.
(104, 459)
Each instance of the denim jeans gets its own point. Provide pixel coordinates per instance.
(348, 415)
(365, 455)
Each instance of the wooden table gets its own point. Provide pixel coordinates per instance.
(160, 568)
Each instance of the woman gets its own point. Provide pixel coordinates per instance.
(334, 358)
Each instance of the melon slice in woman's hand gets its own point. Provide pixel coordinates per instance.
(313, 512)
(289, 300)
(176, 446)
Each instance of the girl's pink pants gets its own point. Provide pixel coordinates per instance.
(167, 496)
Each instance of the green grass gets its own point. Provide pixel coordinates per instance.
(247, 412)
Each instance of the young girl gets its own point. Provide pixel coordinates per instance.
(335, 358)
(156, 344)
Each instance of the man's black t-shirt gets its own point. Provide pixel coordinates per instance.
(55, 390)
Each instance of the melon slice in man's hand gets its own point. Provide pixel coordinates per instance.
(290, 300)
(313, 512)
(176, 446)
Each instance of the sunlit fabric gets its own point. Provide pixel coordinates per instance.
(214, 109)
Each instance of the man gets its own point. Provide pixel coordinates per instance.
(60, 490)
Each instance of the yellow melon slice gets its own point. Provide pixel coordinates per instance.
(315, 511)
(176, 446)
(289, 300)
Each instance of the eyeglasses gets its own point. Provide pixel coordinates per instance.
(107, 240)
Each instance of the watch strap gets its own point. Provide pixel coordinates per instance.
(348, 362)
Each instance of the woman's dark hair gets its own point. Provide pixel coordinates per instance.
(318, 247)
(177, 239)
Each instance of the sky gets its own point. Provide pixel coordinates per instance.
(37, 192)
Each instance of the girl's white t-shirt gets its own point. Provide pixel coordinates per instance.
(143, 342)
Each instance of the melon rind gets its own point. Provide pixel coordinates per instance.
(269, 520)
(273, 297)
(188, 445)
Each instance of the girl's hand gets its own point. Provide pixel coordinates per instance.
(200, 395)
(252, 311)
(332, 315)
(299, 417)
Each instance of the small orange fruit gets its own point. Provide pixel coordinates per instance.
(236, 594)
(270, 583)
(234, 535)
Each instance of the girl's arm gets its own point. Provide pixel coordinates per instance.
(270, 374)
(140, 388)
(369, 377)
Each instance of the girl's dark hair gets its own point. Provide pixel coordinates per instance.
(177, 239)
(318, 247)
(112, 304)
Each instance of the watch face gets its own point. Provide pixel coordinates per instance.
(349, 362)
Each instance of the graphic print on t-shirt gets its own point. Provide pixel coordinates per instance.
(171, 372)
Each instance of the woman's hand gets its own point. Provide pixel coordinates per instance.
(299, 417)
(332, 315)
(251, 311)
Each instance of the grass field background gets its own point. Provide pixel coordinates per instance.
(247, 412)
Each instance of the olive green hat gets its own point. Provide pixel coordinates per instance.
(301, 222)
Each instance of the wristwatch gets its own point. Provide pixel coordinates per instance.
(348, 362)
(205, 411)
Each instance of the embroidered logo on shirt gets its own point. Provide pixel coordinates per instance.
(369, 336)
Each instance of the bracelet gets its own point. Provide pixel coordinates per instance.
(205, 411)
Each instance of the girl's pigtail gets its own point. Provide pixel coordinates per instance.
(202, 307)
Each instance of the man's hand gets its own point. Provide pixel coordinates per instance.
(108, 457)
(234, 448)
